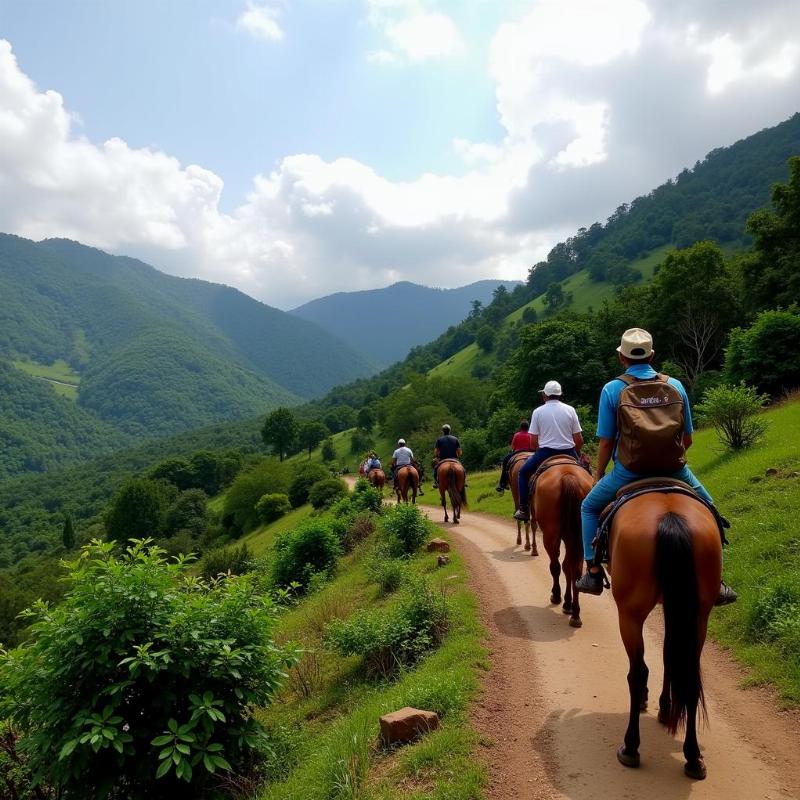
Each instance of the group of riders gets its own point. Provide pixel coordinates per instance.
(644, 426)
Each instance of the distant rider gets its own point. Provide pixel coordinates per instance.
(372, 462)
(520, 441)
(636, 354)
(555, 431)
(447, 446)
(402, 457)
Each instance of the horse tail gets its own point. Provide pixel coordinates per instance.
(570, 513)
(464, 491)
(677, 578)
(457, 496)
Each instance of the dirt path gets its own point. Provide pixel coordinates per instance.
(554, 705)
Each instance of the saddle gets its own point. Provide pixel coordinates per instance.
(517, 457)
(637, 489)
(549, 463)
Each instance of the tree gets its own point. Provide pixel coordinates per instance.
(734, 411)
(138, 510)
(554, 296)
(188, 513)
(280, 431)
(366, 419)
(177, 471)
(339, 419)
(68, 533)
(310, 435)
(485, 338)
(328, 450)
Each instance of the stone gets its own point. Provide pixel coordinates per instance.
(407, 724)
(438, 546)
(771, 472)
(443, 561)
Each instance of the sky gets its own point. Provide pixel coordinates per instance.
(294, 148)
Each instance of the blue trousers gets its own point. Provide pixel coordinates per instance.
(605, 490)
(531, 465)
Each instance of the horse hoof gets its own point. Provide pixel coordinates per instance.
(519, 541)
(555, 599)
(527, 546)
(696, 770)
(643, 707)
(663, 717)
(566, 608)
(625, 759)
(575, 622)
(534, 552)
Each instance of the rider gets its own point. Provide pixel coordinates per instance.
(636, 354)
(401, 457)
(447, 446)
(519, 442)
(555, 431)
(372, 462)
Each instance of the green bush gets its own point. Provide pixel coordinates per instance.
(327, 491)
(328, 450)
(140, 682)
(366, 498)
(189, 512)
(734, 413)
(304, 479)
(389, 639)
(299, 554)
(404, 530)
(224, 560)
(272, 507)
(267, 477)
(475, 447)
(767, 354)
(386, 571)
(139, 509)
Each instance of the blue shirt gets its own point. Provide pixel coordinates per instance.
(609, 400)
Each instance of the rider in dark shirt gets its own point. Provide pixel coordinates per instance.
(447, 446)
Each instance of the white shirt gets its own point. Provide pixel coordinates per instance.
(554, 423)
(403, 456)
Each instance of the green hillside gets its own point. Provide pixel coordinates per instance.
(152, 354)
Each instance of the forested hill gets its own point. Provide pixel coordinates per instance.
(154, 354)
(370, 320)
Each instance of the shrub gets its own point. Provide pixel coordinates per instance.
(391, 639)
(304, 479)
(271, 507)
(141, 682)
(404, 530)
(366, 497)
(475, 446)
(223, 560)
(266, 477)
(299, 554)
(734, 413)
(328, 450)
(387, 572)
(189, 512)
(326, 491)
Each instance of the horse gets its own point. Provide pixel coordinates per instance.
(377, 478)
(666, 546)
(557, 500)
(406, 476)
(517, 460)
(452, 480)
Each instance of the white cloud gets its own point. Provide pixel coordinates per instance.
(260, 21)
(413, 32)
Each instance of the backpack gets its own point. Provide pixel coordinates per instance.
(650, 421)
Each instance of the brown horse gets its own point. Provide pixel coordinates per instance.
(406, 477)
(377, 478)
(666, 547)
(452, 480)
(559, 493)
(517, 460)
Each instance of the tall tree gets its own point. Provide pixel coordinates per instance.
(311, 434)
(68, 533)
(280, 431)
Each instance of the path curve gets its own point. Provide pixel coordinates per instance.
(553, 707)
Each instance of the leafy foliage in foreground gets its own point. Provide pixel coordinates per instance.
(142, 682)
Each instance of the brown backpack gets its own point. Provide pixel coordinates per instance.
(650, 421)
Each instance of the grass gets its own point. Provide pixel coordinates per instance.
(764, 552)
(260, 540)
(586, 295)
(59, 375)
(383, 446)
(329, 711)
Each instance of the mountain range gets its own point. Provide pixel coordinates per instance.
(386, 323)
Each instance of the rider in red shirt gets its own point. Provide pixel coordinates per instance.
(520, 441)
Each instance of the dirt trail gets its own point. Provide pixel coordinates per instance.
(554, 706)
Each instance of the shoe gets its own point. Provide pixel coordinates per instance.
(499, 489)
(591, 583)
(522, 516)
(420, 493)
(726, 595)
(434, 485)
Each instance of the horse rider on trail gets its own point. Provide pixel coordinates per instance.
(555, 431)
(447, 446)
(372, 462)
(636, 354)
(403, 457)
(520, 442)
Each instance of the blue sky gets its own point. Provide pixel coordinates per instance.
(293, 148)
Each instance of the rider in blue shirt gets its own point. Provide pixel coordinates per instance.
(636, 354)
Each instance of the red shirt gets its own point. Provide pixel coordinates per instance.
(521, 441)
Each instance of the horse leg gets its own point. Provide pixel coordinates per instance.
(695, 766)
(664, 704)
(444, 506)
(631, 630)
(519, 535)
(555, 569)
(533, 526)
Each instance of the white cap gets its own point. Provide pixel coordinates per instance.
(401, 442)
(552, 389)
(636, 343)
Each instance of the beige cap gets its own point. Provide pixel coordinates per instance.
(636, 343)
(552, 389)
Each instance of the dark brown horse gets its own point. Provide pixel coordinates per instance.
(406, 477)
(452, 480)
(559, 493)
(666, 547)
(377, 478)
(517, 460)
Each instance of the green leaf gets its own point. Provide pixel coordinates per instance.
(164, 769)
(161, 740)
(67, 748)
(221, 762)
